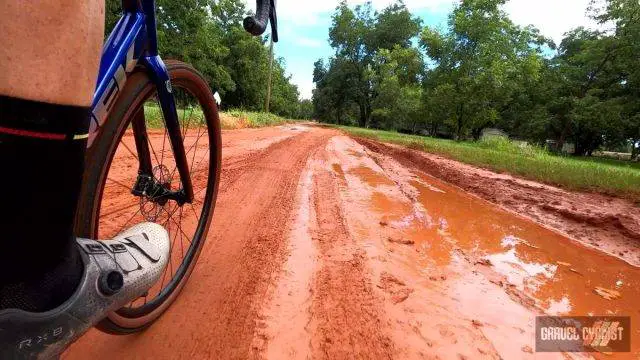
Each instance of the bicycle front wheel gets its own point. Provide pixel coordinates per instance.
(108, 205)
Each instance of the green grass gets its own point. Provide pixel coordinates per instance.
(233, 119)
(611, 162)
(501, 155)
(153, 116)
(254, 119)
(190, 115)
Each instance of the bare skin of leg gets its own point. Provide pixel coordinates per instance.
(51, 49)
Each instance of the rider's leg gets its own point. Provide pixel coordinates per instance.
(54, 287)
(49, 61)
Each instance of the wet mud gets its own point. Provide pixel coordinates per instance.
(326, 247)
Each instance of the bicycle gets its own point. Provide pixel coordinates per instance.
(137, 98)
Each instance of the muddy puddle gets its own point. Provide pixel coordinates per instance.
(372, 177)
(550, 273)
(560, 274)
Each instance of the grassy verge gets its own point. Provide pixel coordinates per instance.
(233, 119)
(238, 119)
(611, 177)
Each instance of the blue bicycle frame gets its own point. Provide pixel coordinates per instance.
(133, 42)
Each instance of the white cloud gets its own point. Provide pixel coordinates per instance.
(289, 34)
(307, 42)
(552, 17)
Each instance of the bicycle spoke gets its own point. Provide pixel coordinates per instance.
(153, 150)
(119, 210)
(119, 183)
(197, 168)
(182, 231)
(170, 215)
(194, 212)
(194, 154)
(187, 153)
(170, 218)
(171, 255)
(186, 124)
(194, 146)
(131, 218)
(196, 201)
(195, 143)
(199, 161)
(131, 152)
(181, 244)
(164, 274)
(183, 124)
(198, 192)
(164, 140)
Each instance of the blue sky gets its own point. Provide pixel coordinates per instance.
(304, 26)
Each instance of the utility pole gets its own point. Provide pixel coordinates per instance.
(268, 100)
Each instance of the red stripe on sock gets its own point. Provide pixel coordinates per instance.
(34, 134)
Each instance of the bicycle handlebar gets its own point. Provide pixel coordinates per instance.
(265, 12)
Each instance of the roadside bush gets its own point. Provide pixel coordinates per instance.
(505, 145)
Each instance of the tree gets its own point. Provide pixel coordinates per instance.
(598, 81)
(397, 104)
(357, 35)
(350, 35)
(305, 110)
(333, 97)
(625, 45)
(482, 60)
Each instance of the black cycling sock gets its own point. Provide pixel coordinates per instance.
(42, 162)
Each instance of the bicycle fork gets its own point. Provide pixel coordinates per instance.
(146, 184)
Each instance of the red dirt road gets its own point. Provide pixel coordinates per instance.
(324, 247)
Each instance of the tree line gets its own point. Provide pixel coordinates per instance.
(391, 72)
(208, 34)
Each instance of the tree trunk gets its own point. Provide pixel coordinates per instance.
(362, 121)
(365, 114)
(563, 136)
(477, 133)
(580, 149)
(458, 129)
(459, 122)
(635, 150)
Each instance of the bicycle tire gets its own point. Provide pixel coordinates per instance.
(138, 89)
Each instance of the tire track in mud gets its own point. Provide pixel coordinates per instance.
(248, 241)
(216, 314)
(345, 312)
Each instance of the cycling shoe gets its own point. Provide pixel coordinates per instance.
(116, 272)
